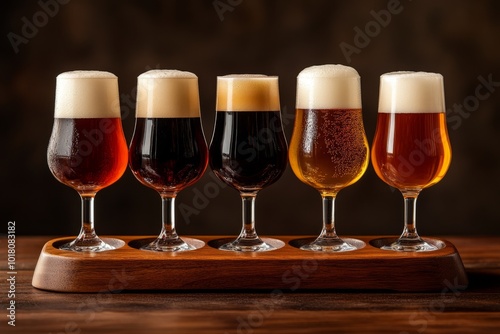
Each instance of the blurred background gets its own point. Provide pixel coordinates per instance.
(456, 38)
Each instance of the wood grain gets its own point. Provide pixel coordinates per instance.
(474, 310)
(207, 268)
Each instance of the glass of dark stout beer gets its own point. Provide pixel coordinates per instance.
(248, 149)
(329, 149)
(168, 151)
(411, 149)
(87, 149)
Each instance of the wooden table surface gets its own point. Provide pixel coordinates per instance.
(475, 309)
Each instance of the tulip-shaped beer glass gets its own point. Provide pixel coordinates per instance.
(87, 149)
(248, 149)
(329, 149)
(411, 150)
(168, 151)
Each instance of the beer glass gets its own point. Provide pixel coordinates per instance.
(168, 151)
(329, 149)
(248, 149)
(411, 150)
(87, 149)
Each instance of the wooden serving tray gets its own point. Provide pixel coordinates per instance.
(286, 269)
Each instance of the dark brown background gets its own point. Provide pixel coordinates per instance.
(459, 39)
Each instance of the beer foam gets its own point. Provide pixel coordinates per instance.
(328, 87)
(161, 74)
(87, 94)
(167, 94)
(411, 92)
(247, 92)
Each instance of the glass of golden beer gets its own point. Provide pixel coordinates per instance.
(248, 150)
(168, 151)
(87, 148)
(411, 149)
(329, 149)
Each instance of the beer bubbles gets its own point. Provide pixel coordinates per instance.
(329, 149)
(248, 151)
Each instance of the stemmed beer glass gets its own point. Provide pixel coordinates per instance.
(248, 149)
(329, 149)
(411, 150)
(87, 148)
(168, 151)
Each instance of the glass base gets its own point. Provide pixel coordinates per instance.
(402, 245)
(244, 245)
(332, 245)
(168, 245)
(87, 245)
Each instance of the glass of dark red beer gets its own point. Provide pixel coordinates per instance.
(411, 149)
(248, 150)
(168, 151)
(87, 148)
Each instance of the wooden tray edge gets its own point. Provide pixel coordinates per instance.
(287, 269)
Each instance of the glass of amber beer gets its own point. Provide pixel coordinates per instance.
(87, 149)
(411, 150)
(329, 149)
(168, 151)
(248, 149)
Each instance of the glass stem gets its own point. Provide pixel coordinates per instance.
(329, 217)
(168, 216)
(87, 233)
(248, 216)
(410, 216)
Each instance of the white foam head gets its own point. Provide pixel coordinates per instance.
(328, 87)
(411, 92)
(247, 92)
(87, 94)
(167, 94)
